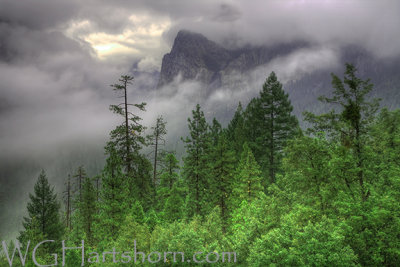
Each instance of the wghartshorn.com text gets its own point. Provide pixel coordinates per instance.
(112, 256)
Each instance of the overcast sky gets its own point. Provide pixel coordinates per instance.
(58, 57)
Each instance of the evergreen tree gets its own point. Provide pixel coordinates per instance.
(137, 213)
(127, 138)
(352, 123)
(386, 135)
(221, 181)
(236, 131)
(80, 176)
(169, 174)
(43, 213)
(248, 182)
(114, 202)
(168, 177)
(196, 164)
(215, 131)
(141, 187)
(157, 141)
(152, 219)
(173, 209)
(308, 174)
(77, 214)
(87, 209)
(68, 203)
(253, 127)
(277, 125)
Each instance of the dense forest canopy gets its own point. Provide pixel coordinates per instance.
(261, 188)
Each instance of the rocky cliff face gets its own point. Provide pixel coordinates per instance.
(194, 57)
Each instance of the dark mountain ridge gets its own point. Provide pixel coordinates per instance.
(196, 58)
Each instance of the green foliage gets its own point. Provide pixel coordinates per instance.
(169, 174)
(269, 125)
(140, 184)
(85, 209)
(307, 172)
(113, 206)
(355, 113)
(173, 209)
(157, 140)
(196, 168)
(248, 182)
(190, 237)
(221, 181)
(315, 244)
(351, 124)
(236, 132)
(127, 140)
(152, 218)
(43, 219)
(215, 131)
(137, 213)
(168, 177)
(386, 136)
(132, 231)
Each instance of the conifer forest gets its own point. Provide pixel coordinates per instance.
(264, 188)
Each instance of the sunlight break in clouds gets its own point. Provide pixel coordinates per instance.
(141, 35)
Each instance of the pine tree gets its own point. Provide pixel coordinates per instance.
(137, 213)
(350, 125)
(87, 208)
(223, 168)
(168, 177)
(253, 127)
(68, 203)
(80, 176)
(43, 213)
(169, 174)
(127, 138)
(77, 214)
(140, 186)
(114, 201)
(236, 131)
(173, 208)
(279, 123)
(248, 181)
(386, 135)
(157, 141)
(271, 124)
(196, 167)
(215, 131)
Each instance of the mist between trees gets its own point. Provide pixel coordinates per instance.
(262, 187)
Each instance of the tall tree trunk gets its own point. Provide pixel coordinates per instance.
(69, 204)
(128, 161)
(272, 147)
(155, 161)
